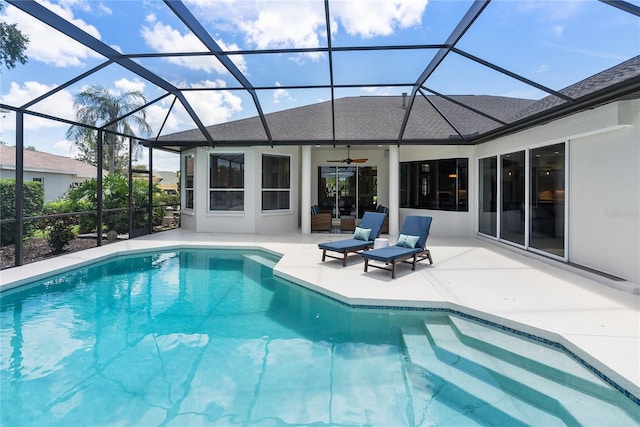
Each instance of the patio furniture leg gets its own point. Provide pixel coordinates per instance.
(324, 254)
(366, 264)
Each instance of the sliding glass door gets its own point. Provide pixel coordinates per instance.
(347, 191)
(536, 221)
(547, 182)
(512, 206)
(487, 209)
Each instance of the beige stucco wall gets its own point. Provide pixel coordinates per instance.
(603, 189)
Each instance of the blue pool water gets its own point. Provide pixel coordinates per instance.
(211, 337)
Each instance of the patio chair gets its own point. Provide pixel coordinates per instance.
(411, 245)
(320, 221)
(363, 238)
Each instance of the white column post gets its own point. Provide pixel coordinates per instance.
(305, 199)
(394, 190)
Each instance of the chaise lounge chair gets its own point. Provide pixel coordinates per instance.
(363, 238)
(410, 245)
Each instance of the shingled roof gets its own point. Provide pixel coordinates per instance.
(434, 119)
(38, 161)
(368, 119)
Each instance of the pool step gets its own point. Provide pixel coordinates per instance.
(540, 358)
(474, 398)
(521, 374)
(266, 260)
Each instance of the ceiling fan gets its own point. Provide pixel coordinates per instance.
(348, 160)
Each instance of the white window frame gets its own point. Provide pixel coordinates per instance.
(275, 190)
(224, 189)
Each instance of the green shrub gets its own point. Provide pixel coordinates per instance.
(59, 206)
(115, 191)
(58, 231)
(33, 204)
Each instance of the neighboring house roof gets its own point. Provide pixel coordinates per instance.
(38, 161)
(166, 177)
(434, 119)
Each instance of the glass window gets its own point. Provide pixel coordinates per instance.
(226, 182)
(435, 184)
(488, 185)
(547, 205)
(367, 189)
(513, 197)
(189, 169)
(276, 182)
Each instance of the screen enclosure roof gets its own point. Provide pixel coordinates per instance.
(243, 73)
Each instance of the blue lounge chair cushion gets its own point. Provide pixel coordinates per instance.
(407, 241)
(390, 253)
(345, 244)
(362, 233)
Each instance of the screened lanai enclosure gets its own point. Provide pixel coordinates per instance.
(345, 79)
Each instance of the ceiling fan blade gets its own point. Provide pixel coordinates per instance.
(336, 161)
(358, 160)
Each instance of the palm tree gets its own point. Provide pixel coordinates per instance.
(98, 106)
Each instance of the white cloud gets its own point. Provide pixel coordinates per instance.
(64, 148)
(47, 45)
(156, 115)
(380, 91)
(268, 24)
(164, 38)
(281, 94)
(214, 106)
(211, 106)
(302, 24)
(126, 85)
(366, 18)
(58, 105)
(294, 25)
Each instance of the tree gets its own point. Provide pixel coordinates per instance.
(97, 107)
(12, 44)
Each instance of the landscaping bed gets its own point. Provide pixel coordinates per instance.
(37, 249)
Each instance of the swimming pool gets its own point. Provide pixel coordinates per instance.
(205, 336)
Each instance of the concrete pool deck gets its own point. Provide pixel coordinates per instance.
(596, 318)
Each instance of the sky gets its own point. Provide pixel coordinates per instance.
(555, 43)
